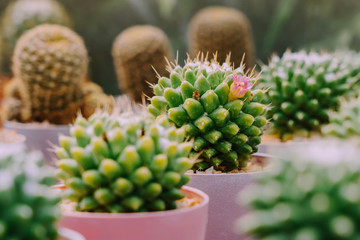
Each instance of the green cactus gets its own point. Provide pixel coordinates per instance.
(222, 30)
(312, 193)
(218, 109)
(304, 87)
(346, 122)
(22, 15)
(137, 51)
(124, 163)
(27, 204)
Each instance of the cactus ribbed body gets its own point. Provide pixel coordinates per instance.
(218, 109)
(27, 204)
(136, 51)
(124, 163)
(304, 87)
(22, 15)
(222, 30)
(51, 61)
(313, 193)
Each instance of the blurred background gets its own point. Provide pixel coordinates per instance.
(276, 25)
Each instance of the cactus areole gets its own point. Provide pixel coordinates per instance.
(219, 108)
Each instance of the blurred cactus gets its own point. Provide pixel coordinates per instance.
(136, 51)
(22, 15)
(124, 163)
(27, 204)
(218, 108)
(222, 30)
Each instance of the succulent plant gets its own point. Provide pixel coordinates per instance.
(222, 30)
(218, 108)
(304, 87)
(137, 51)
(22, 15)
(346, 122)
(312, 193)
(124, 163)
(27, 204)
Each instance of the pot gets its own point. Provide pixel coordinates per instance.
(67, 234)
(39, 136)
(179, 224)
(224, 208)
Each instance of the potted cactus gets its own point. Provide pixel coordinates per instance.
(124, 172)
(312, 193)
(27, 203)
(304, 87)
(48, 89)
(223, 113)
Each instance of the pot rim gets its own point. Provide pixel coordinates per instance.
(204, 201)
(34, 125)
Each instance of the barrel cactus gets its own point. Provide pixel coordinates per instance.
(27, 204)
(304, 87)
(138, 52)
(124, 163)
(313, 193)
(219, 108)
(22, 15)
(222, 30)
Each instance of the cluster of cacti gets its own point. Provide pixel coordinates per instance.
(27, 204)
(138, 52)
(22, 15)
(313, 193)
(124, 163)
(346, 122)
(49, 65)
(222, 30)
(218, 108)
(303, 88)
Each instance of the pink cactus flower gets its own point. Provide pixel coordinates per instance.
(241, 84)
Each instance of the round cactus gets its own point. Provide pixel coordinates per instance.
(27, 204)
(304, 87)
(124, 163)
(313, 193)
(137, 52)
(22, 15)
(221, 30)
(218, 108)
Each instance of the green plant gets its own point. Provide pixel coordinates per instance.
(124, 163)
(223, 31)
(137, 52)
(303, 88)
(312, 193)
(27, 204)
(22, 15)
(218, 108)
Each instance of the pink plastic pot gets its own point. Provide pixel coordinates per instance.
(180, 224)
(67, 234)
(224, 208)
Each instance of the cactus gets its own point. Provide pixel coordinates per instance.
(124, 163)
(218, 109)
(27, 204)
(50, 62)
(304, 87)
(22, 15)
(313, 193)
(137, 51)
(345, 123)
(222, 30)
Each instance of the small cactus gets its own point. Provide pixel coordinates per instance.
(27, 204)
(312, 193)
(303, 88)
(219, 108)
(222, 30)
(22, 15)
(124, 163)
(137, 52)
